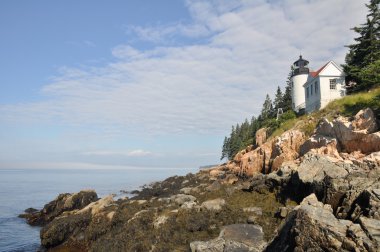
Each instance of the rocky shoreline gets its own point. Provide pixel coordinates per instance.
(289, 193)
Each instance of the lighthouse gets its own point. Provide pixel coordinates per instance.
(299, 78)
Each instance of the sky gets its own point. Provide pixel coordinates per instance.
(146, 83)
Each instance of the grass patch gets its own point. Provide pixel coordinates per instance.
(286, 125)
(347, 106)
(351, 104)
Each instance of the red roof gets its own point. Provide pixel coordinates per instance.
(315, 74)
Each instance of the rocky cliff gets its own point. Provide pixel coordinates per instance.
(342, 139)
(289, 193)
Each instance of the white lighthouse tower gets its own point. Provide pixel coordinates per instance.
(299, 78)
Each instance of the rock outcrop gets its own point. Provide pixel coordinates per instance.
(261, 136)
(64, 202)
(312, 226)
(167, 216)
(236, 237)
(342, 139)
(343, 135)
(269, 156)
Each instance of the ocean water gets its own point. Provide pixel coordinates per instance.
(21, 189)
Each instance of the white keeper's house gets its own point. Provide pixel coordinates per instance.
(314, 90)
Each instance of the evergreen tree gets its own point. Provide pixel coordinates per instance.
(286, 102)
(267, 110)
(364, 54)
(225, 148)
(235, 141)
(277, 103)
(232, 139)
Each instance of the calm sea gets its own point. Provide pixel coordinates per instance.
(20, 189)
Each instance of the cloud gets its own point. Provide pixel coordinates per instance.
(108, 153)
(139, 153)
(202, 86)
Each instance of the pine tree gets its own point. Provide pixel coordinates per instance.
(267, 110)
(232, 140)
(286, 103)
(366, 51)
(225, 148)
(277, 103)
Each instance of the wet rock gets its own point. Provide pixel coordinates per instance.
(61, 229)
(64, 202)
(135, 192)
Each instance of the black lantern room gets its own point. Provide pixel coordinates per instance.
(300, 66)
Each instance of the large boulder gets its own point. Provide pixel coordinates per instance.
(243, 237)
(64, 202)
(349, 187)
(312, 226)
(351, 140)
(235, 237)
(365, 120)
(343, 135)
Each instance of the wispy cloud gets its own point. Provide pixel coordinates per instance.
(139, 153)
(200, 87)
(110, 153)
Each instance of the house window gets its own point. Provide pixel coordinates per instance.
(333, 84)
(307, 92)
(316, 87)
(311, 89)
